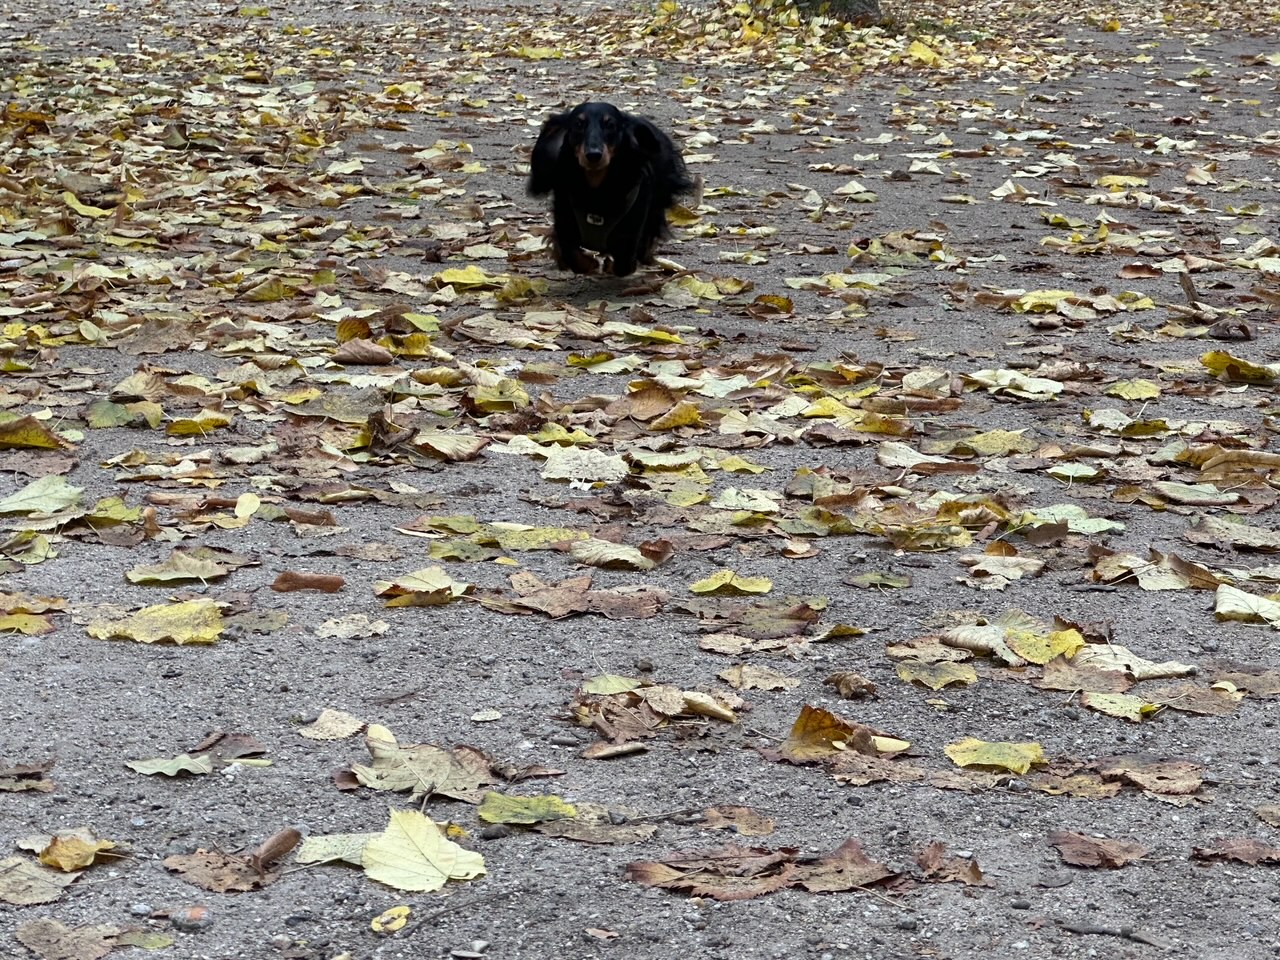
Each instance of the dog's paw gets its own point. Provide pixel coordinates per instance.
(582, 262)
(622, 268)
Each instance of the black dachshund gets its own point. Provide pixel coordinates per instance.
(612, 176)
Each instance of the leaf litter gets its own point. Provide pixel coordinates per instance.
(310, 310)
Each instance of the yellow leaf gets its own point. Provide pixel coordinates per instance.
(469, 278)
(1119, 181)
(1041, 648)
(247, 504)
(390, 920)
(704, 705)
(428, 587)
(48, 494)
(414, 854)
(190, 621)
(1121, 705)
(1134, 390)
(728, 583)
(736, 464)
(500, 808)
(935, 676)
(204, 422)
(1232, 603)
(28, 624)
(1017, 757)
(94, 213)
(72, 853)
(922, 53)
(27, 433)
(684, 414)
(1234, 370)
(1040, 301)
(609, 683)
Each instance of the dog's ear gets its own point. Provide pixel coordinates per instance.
(546, 153)
(648, 139)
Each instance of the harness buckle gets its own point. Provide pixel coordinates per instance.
(595, 219)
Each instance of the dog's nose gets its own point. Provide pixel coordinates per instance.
(594, 156)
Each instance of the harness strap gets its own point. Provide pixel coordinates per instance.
(595, 228)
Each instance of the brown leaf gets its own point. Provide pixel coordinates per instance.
(597, 832)
(28, 776)
(1061, 674)
(845, 868)
(1255, 680)
(726, 873)
(24, 883)
(218, 871)
(1159, 777)
(1240, 849)
(743, 821)
(850, 685)
(937, 867)
(273, 848)
(52, 940)
(607, 751)
(1192, 698)
(1083, 851)
(227, 747)
(819, 734)
(290, 581)
(358, 351)
(858, 770)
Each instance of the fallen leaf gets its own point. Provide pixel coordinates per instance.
(291, 581)
(1239, 849)
(501, 808)
(189, 621)
(743, 821)
(729, 583)
(413, 854)
(52, 940)
(332, 725)
(1083, 851)
(219, 871)
(25, 883)
(1017, 757)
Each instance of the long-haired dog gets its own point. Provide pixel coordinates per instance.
(612, 177)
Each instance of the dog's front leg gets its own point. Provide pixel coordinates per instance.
(566, 241)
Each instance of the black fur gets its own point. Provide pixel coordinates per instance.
(612, 177)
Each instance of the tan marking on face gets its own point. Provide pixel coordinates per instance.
(595, 172)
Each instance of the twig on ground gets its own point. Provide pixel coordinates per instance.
(1125, 933)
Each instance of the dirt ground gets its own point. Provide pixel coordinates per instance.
(214, 220)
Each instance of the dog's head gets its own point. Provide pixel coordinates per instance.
(594, 134)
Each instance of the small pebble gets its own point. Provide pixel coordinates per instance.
(140, 909)
(191, 919)
(495, 831)
(563, 740)
(644, 665)
(908, 923)
(282, 941)
(138, 821)
(1021, 904)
